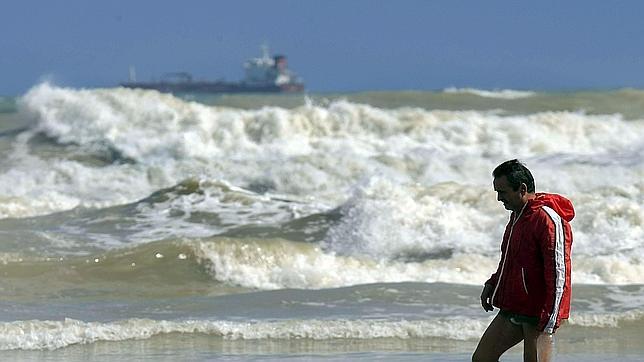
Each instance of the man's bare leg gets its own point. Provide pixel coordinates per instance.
(530, 334)
(545, 347)
(499, 336)
(537, 346)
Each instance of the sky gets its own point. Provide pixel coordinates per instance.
(335, 46)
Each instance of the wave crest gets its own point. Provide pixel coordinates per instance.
(58, 334)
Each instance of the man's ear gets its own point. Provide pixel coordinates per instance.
(523, 188)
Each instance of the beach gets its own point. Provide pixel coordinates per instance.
(138, 225)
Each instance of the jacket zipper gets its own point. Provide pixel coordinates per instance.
(525, 286)
(505, 257)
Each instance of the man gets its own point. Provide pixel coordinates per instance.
(531, 285)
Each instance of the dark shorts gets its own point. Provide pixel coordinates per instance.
(518, 319)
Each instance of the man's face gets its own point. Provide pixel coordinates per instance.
(511, 199)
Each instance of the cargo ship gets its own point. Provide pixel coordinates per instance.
(265, 74)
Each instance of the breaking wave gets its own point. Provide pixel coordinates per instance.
(502, 94)
(108, 147)
(57, 334)
(38, 335)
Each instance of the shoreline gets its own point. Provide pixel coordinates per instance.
(596, 344)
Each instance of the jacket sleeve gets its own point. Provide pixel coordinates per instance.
(550, 231)
(494, 278)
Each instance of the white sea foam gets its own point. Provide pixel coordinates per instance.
(39, 335)
(387, 221)
(35, 186)
(318, 151)
(412, 184)
(230, 205)
(604, 320)
(502, 93)
(276, 264)
(31, 335)
(148, 126)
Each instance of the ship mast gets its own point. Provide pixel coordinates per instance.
(265, 51)
(132, 74)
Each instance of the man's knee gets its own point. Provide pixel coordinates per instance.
(479, 356)
(476, 358)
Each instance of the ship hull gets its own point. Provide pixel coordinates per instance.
(215, 87)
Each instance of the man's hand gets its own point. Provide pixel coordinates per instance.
(486, 296)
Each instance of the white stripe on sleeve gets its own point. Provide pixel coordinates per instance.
(560, 267)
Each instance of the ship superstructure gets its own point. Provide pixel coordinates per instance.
(265, 74)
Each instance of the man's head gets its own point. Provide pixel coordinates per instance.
(513, 184)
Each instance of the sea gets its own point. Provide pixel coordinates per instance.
(136, 225)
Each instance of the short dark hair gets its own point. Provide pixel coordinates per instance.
(516, 173)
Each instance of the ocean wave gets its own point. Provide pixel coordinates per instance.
(278, 264)
(192, 208)
(142, 141)
(410, 185)
(33, 335)
(149, 141)
(49, 335)
(159, 269)
(605, 320)
(203, 207)
(221, 265)
(386, 221)
(145, 126)
(501, 94)
(384, 232)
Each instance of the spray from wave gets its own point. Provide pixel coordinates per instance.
(502, 94)
(142, 141)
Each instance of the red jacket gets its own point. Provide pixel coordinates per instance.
(533, 277)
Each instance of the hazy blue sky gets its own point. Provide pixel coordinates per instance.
(334, 45)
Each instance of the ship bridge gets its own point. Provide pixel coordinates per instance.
(267, 70)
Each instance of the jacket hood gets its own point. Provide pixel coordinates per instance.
(560, 204)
